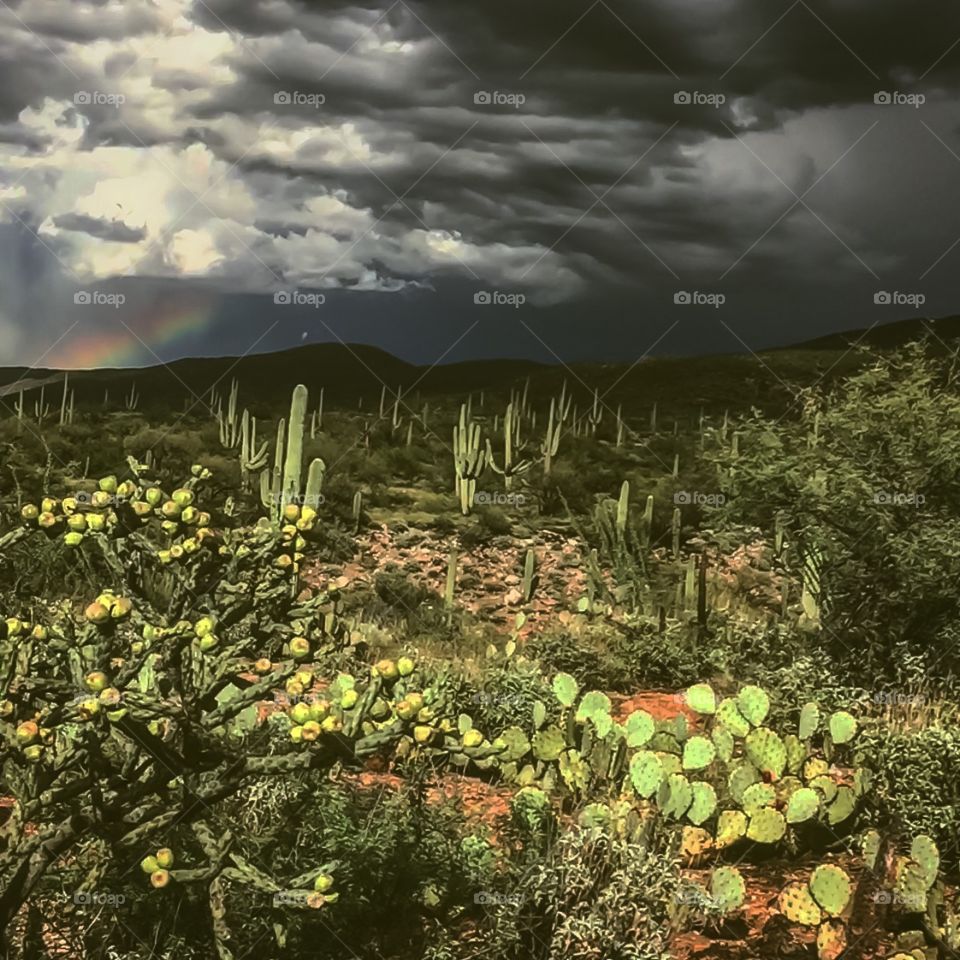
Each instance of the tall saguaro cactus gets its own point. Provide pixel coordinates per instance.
(511, 432)
(469, 459)
(551, 442)
(284, 487)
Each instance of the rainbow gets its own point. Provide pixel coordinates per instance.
(150, 338)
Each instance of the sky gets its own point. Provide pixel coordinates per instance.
(573, 180)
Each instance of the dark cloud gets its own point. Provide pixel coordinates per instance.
(114, 230)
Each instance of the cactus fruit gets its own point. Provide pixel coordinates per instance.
(802, 805)
(798, 906)
(843, 727)
(27, 732)
(727, 889)
(159, 879)
(701, 699)
(387, 669)
(405, 666)
(322, 882)
(766, 826)
(165, 857)
(149, 864)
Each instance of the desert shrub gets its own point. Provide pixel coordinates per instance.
(917, 782)
(866, 485)
(592, 895)
(505, 694)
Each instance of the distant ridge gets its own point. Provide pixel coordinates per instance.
(887, 336)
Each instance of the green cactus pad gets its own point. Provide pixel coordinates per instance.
(809, 720)
(640, 728)
(724, 743)
(698, 752)
(843, 727)
(594, 705)
(796, 752)
(766, 751)
(827, 786)
(664, 742)
(924, 851)
(675, 796)
(575, 773)
(731, 826)
(596, 816)
(911, 886)
(798, 906)
(870, 847)
(766, 826)
(815, 767)
(670, 763)
(727, 889)
(701, 698)
(830, 887)
(831, 939)
(742, 774)
(646, 772)
(704, 803)
(539, 714)
(679, 727)
(753, 704)
(862, 779)
(694, 842)
(802, 805)
(757, 796)
(548, 743)
(517, 745)
(729, 716)
(565, 689)
(843, 805)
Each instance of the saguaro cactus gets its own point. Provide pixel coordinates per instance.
(511, 431)
(469, 459)
(551, 442)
